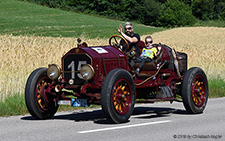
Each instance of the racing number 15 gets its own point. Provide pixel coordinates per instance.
(72, 67)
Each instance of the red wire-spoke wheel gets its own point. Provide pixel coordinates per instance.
(41, 96)
(195, 90)
(40, 104)
(122, 97)
(198, 91)
(118, 96)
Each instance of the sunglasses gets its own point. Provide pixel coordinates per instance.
(128, 28)
(148, 42)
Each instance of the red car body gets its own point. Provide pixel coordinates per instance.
(112, 82)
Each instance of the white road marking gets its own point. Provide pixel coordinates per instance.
(121, 127)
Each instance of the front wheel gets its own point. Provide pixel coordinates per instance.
(195, 90)
(118, 96)
(40, 104)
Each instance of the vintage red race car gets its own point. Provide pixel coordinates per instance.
(103, 75)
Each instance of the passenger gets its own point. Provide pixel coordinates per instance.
(148, 53)
(131, 37)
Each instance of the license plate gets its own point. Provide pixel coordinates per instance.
(79, 102)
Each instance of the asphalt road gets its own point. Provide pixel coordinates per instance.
(159, 121)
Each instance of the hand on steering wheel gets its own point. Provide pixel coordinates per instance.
(113, 41)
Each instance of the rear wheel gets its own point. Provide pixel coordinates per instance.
(40, 104)
(195, 90)
(118, 96)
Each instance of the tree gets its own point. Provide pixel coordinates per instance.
(203, 9)
(219, 10)
(148, 12)
(175, 13)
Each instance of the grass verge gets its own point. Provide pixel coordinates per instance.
(15, 105)
(216, 88)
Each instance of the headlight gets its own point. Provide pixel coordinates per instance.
(53, 71)
(87, 72)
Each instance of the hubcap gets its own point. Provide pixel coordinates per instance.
(198, 91)
(40, 93)
(122, 97)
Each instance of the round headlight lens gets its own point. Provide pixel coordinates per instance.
(53, 71)
(87, 72)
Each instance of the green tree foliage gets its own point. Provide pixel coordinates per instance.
(168, 13)
(207, 9)
(146, 12)
(175, 13)
(203, 9)
(219, 10)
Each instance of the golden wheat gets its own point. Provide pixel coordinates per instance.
(205, 47)
(20, 55)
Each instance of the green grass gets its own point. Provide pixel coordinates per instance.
(211, 23)
(15, 105)
(23, 18)
(216, 88)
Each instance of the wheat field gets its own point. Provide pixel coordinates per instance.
(20, 55)
(205, 47)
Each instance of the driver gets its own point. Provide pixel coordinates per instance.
(131, 37)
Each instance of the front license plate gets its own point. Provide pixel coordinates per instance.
(79, 102)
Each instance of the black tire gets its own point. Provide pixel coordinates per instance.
(195, 90)
(39, 104)
(118, 96)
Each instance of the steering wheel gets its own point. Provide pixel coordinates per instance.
(122, 45)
